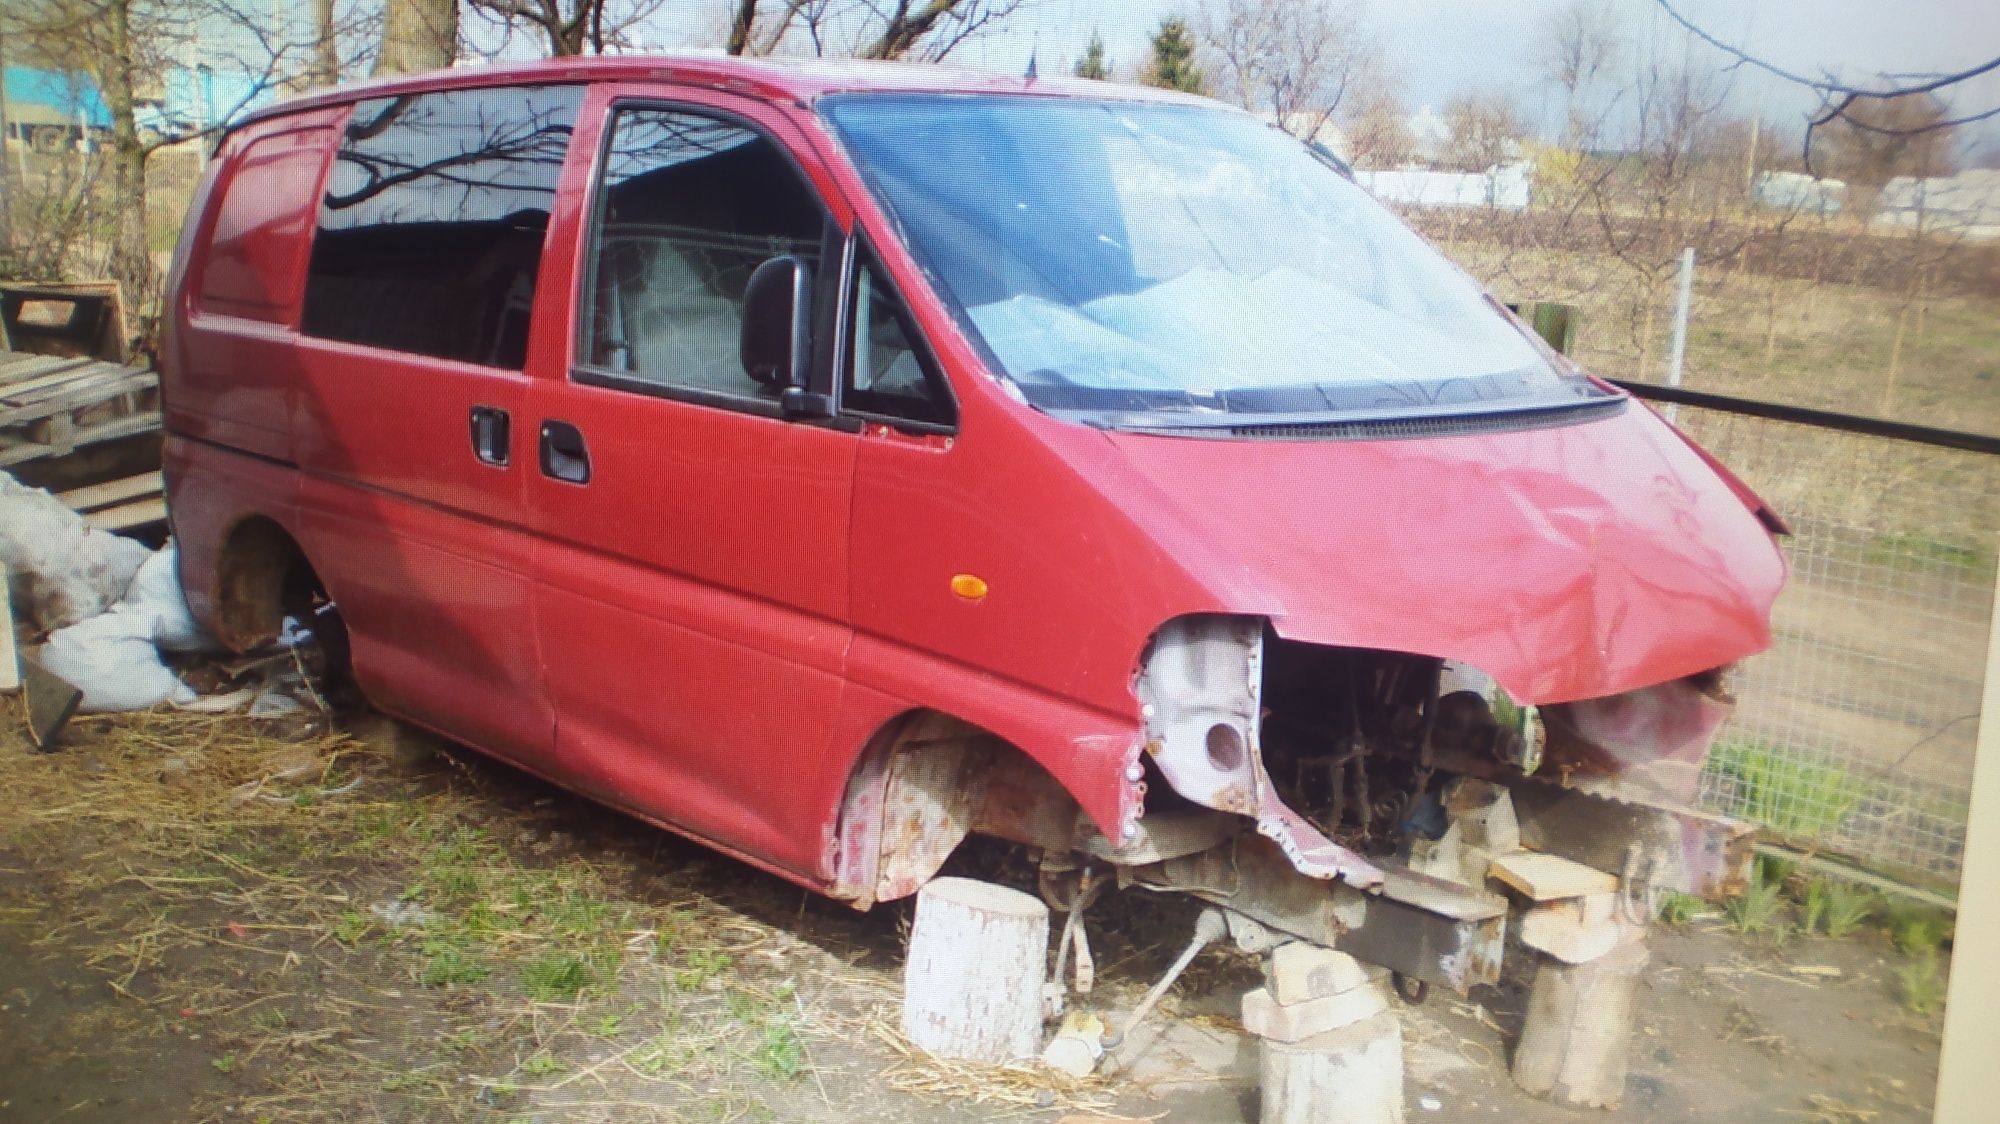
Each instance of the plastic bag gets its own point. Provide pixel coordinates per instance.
(156, 592)
(60, 569)
(111, 658)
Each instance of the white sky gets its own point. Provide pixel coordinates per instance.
(1438, 48)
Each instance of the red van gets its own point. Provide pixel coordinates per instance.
(828, 461)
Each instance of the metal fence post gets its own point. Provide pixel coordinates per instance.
(1678, 355)
(1972, 1007)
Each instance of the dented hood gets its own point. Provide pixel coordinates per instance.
(1568, 562)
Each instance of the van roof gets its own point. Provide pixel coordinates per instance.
(799, 80)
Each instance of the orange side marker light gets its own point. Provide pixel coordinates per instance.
(972, 587)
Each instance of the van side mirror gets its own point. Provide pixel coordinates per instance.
(776, 340)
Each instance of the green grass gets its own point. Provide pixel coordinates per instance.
(446, 963)
(1677, 908)
(1848, 907)
(1918, 930)
(1792, 798)
(1901, 549)
(558, 976)
(1814, 909)
(1759, 909)
(1920, 984)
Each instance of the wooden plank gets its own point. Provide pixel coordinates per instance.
(127, 516)
(35, 366)
(81, 397)
(111, 492)
(52, 701)
(22, 393)
(10, 661)
(1548, 877)
(21, 451)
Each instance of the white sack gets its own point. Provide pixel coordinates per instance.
(112, 660)
(61, 570)
(156, 592)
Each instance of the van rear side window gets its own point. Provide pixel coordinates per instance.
(430, 233)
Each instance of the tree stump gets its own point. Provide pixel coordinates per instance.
(1352, 1075)
(1579, 1025)
(972, 985)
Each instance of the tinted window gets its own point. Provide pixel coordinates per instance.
(430, 234)
(886, 374)
(690, 207)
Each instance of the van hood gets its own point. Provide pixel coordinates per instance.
(1568, 562)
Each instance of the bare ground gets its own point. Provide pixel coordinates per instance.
(205, 919)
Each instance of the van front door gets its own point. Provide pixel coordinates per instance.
(691, 560)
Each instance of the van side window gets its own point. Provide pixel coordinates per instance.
(430, 233)
(887, 375)
(690, 206)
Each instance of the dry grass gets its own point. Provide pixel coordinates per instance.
(354, 937)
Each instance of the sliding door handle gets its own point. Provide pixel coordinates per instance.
(564, 455)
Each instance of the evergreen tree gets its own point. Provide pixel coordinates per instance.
(1172, 65)
(1092, 64)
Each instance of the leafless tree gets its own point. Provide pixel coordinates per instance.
(1296, 60)
(1486, 130)
(1373, 130)
(1576, 50)
(926, 30)
(1852, 104)
(417, 35)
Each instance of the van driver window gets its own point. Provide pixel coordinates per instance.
(690, 206)
(430, 233)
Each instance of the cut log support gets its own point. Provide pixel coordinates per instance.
(1579, 1027)
(972, 986)
(1352, 1075)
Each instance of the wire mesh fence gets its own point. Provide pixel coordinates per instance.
(1855, 733)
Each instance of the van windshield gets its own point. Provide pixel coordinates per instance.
(1134, 259)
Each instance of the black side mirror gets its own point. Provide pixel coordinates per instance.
(776, 341)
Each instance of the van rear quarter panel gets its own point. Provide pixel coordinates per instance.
(230, 370)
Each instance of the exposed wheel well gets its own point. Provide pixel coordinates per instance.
(925, 782)
(262, 578)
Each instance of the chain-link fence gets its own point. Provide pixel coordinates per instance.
(1855, 733)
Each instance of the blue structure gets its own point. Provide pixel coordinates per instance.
(45, 104)
(52, 109)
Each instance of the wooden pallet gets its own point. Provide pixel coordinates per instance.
(52, 405)
(120, 505)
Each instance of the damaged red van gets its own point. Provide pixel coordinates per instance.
(829, 461)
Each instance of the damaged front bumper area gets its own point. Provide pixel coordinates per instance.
(1341, 760)
(1201, 696)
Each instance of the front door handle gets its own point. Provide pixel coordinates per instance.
(492, 436)
(564, 455)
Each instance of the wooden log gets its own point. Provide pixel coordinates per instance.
(972, 985)
(1579, 1026)
(1353, 1075)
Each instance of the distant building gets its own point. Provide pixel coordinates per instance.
(56, 111)
(50, 111)
(1505, 187)
(1967, 204)
(1799, 193)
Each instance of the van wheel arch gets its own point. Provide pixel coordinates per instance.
(925, 781)
(262, 576)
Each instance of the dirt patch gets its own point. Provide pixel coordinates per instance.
(207, 919)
